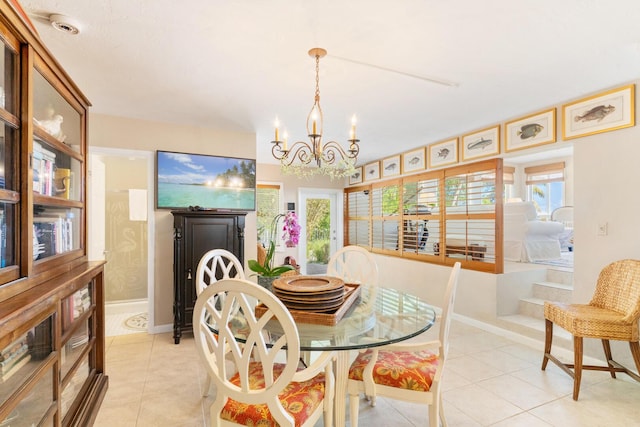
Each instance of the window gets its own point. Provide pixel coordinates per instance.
(508, 180)
(545, 187)
(268, 205)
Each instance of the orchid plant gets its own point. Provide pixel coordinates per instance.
(291, 237)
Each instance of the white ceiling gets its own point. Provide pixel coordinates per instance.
(238, 64)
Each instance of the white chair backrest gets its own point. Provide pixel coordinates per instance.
(354, 264)
(564, 215)
(216, 347)
(447, 307)
(215, 265)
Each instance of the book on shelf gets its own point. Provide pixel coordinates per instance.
(81, 302)
(54, 235)
(13, 348)
(43, 170)
(5, 375)
(13, 357)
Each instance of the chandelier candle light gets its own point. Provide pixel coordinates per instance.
(330, 158)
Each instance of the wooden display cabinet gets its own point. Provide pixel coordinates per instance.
(52, 352)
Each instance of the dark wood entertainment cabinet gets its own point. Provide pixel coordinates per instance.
(195, 233)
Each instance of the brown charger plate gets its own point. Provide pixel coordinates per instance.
(314, 307)
(308, 283)
(310, 296)
(329, 317)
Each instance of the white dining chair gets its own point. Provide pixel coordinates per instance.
(216, 264)
(409, 371)
(354, 264)
(258, 390)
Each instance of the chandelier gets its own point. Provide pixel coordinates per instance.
(314, 157)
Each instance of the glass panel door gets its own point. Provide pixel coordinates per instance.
(320, 230)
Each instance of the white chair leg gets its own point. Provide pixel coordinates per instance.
(207, 386)
(354, 407)
(443, 420)
(434, 414)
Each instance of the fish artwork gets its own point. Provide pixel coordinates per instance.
(414, 160)
(530, 130)
(390, 167)
(482, 143)
(596, 113)
(443, 153)
(356, 175)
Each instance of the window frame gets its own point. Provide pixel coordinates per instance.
(280, 209)
(484, 175)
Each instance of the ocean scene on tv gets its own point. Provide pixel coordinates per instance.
(210, 182)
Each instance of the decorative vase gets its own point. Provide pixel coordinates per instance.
(267, 282)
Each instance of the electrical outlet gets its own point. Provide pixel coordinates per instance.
(603, 229)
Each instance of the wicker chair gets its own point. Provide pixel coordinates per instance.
(612, 314)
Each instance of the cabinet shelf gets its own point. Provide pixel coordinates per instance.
(42, 135)
(39, 199)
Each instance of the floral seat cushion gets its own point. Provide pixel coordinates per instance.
(399, 369)
(298, 399)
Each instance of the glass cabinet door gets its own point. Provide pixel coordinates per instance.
(20, 359)
(57, 171)
(9, 143)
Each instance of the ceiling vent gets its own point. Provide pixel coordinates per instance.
(64, 23)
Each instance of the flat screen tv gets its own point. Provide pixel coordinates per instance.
(204, 182)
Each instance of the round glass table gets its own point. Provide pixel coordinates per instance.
(377, 317)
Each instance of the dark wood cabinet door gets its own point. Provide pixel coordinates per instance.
(195, 234)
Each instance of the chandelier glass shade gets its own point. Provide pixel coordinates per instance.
(306, 159)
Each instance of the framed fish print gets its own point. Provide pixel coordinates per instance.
(443, 153)
(391, 166)
(413, 160)
(610, 110)
(371, 171)
(530, 131)
(356, 176)
(482, 143)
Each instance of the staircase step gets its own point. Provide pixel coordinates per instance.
(556, 276)
(531, 307)
(534, 328)
(552, 291)
(556, 285)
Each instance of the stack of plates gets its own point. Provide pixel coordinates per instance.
(320, 294)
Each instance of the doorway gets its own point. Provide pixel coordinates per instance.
(321, 228)
(120, 232)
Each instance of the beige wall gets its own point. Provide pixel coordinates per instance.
(605, 172)
(132, 134)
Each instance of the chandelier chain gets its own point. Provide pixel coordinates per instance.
(317, 78)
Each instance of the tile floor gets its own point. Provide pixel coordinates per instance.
(489, 381)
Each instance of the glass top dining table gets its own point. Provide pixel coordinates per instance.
(378, 317)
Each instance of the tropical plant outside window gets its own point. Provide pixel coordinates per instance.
(318, 230)
(546, 197)
(268, 205)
